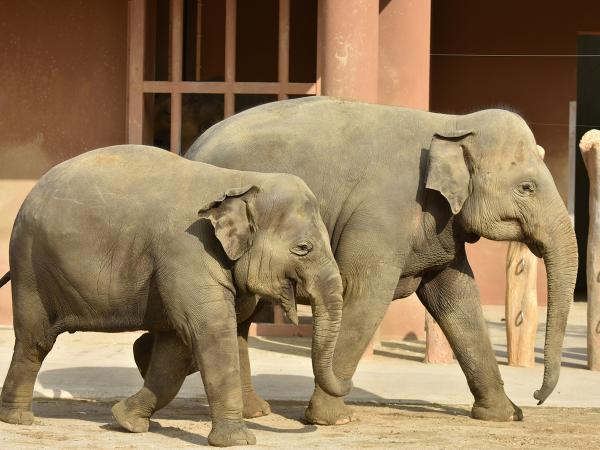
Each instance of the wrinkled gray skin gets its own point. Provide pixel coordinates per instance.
(400, 193)
(112, 240)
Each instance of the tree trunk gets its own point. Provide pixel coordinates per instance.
(521, 305)
(590, 147)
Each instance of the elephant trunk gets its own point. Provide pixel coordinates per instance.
(326, 302)
(558, 247)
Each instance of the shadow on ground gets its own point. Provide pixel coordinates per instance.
(411, 350)
(265, 385)
(288, 346)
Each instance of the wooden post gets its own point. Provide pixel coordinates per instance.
(230, 36)
(437, 348)
(283, 64)
(135, 71)
(521, 305)
(176, 65)
(521, 302)
(590, 148)
(198, 68)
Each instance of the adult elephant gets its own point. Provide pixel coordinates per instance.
(401, 191)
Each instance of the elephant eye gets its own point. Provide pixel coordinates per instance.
(302, 249)
(527, 188)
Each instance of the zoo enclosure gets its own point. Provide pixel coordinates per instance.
(143, 48)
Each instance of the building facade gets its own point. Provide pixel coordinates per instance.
(82, 74)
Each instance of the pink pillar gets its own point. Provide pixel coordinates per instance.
(404, 47)
(349, 41)
(349, 37)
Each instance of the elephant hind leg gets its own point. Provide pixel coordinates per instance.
(165, 364)
(18, 385)
(254, 404)
(34, 338)
(142, 352)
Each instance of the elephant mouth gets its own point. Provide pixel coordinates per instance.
(288, 300)
(536, 248)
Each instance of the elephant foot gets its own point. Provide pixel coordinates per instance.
(502, 410)
(128, 419)
(255, 406)
(16, 416)
(324, 409)
(226, 433)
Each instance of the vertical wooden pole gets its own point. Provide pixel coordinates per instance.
(282, 78)
(521, 308)
(198, 68)
(590, 150)
(149, 70)
(283, 59)
(230, 39)
(521, 305)
(320, 22)
(437, 348)
(176, 69)
(135, 70)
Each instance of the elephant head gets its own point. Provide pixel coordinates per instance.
(280, 248)
(498, 187)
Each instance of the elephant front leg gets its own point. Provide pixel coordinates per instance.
(254, 405)
(364, 307)
(204, 318)
(216, 354)
(452, 298)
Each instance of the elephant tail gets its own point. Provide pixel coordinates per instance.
(5, 279)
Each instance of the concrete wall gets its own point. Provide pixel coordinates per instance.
(464, 78)
(62, 92)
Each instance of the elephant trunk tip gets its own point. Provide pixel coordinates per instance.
(547, 387)
(541, 397)
(345, 387)
(338, 388)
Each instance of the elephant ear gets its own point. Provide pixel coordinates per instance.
(448, 172)
(230, 215)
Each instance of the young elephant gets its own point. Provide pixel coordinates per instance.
(112, 241)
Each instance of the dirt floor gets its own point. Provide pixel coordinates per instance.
(185, 423)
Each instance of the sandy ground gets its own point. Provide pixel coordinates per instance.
(185, 423)
(401, 402)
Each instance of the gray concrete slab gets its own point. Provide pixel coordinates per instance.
(101, 366)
